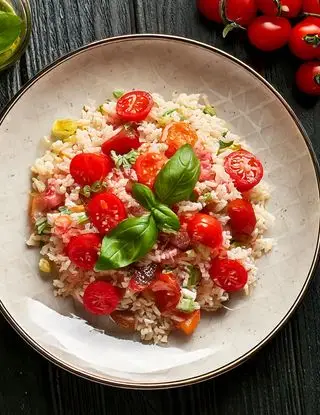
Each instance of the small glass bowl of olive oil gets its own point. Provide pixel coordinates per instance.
(15, 30)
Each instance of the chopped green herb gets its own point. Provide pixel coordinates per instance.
(224, 133)
(94, 188)
(86, 191)
(42, 226)
(206, 198)
(165, 114)
(223, 145)
(187, 305)
(194, 276)
(64, 210)
(210, 110)
(82, 219)
(125, 160)
(100, 109)
(117, 93)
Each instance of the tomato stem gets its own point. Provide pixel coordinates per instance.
(312, 39)
(279, 7)
(311, 14)
(229, 24)
(229, 27)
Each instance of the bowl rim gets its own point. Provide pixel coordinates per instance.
(25, 4)
(231, 365)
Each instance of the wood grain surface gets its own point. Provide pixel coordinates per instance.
(284, 377)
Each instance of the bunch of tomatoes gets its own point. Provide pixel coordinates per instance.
(272, 29)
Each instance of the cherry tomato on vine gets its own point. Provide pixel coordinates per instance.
(305, 39)
(241, 12)
(269, 33)
(308, 78)
(285, 8)
(210, 9)
(311, 6)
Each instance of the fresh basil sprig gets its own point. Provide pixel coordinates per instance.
(128, 242)
(10, 29)
(177, 179)
(164, 217)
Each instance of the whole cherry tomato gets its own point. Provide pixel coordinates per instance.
(308, 78)
(242, 217)
(305, 39)
(239, 11)
(205, 229)
(311, 6)
(210, 9)
(269, 33)
(285, 8)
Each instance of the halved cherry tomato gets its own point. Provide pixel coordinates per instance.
(106, 211)
(167, 291)
(191, 322)
(228, 274)
(244, 168)
(134, 106)
(127, 139)
(287, 8)
(83, 250)
(308, 78)
(43, 202)
(311, 6)
(87, 168)
(242, 217)
(124, 319)
(305, 39)
(101, 298)
(178, 134)
(205, 229)
(269, 33)
(147, 167)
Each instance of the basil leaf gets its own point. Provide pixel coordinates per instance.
(144, 195)
(166, 219)
(10, 29)
(129, 241)
(177, 179)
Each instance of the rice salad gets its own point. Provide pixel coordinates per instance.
(149, 212)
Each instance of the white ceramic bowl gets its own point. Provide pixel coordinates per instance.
(256, 112)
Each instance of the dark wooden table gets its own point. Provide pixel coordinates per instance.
(284, 377)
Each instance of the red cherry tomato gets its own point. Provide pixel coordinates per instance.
(287, 8)
(308, 78)
(311, 6)
(244, 168)
(87, 168)
(106, 211)
(206, 230)
(127, 139)
(269, 33)
(241, 11)
(83, 250)
(210, 9)
(134, 106)
(178, 134)
(242, 217)
(305, 39)
(147, 167)
(167, 292)
(228, 274)
(101, 298)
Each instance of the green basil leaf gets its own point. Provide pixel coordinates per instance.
(166, 219)
(10, 29)
(128, 242)
(177, 179)
(144, 195)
